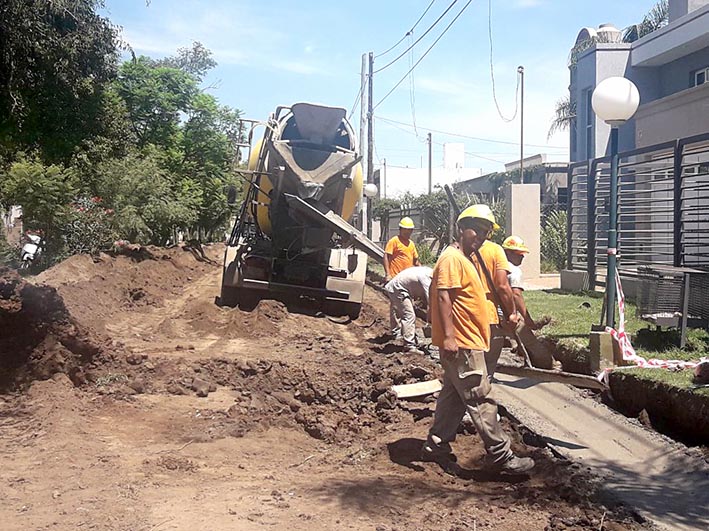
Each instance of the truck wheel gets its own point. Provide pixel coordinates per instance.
(246, 299)
(353, 309)
(338, 308)
(228, 296)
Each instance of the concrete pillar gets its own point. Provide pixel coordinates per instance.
(524, 220)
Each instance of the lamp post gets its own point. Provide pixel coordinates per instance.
(615, 101)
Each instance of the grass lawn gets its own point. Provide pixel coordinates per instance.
(573, 313)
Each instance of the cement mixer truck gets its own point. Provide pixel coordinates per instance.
(291, 239)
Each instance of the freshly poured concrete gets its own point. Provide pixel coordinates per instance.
(663, 480)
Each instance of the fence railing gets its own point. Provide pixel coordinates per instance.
(663, 209)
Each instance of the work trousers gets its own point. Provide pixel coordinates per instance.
(466, 388)
(402, 316)
(539, 355)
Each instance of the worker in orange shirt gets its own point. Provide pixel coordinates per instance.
(540, 356)
(461, 330)
(400, 253)
(495, 259)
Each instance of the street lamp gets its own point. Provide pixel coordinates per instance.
(370, 190)
(615, 101)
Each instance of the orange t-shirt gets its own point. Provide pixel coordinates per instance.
(455, 272)
(402, 256)
(495, 259)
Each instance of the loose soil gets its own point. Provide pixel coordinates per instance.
(131, 401)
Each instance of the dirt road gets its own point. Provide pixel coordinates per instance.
(164, 411)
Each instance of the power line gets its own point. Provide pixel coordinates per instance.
(492, 72)
(438, 144)
(424, 55)
(354, 105)
(412, 92)
(408, 32)
(417, 40)
(467, 136)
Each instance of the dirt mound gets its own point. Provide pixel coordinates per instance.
(231, 323)
(332, 405)
(97, 289)
(40, 337)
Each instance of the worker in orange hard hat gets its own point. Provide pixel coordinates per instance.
(461, 330)
(400, 253)
(515, 251)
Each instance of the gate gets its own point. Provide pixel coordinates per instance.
(663, 209)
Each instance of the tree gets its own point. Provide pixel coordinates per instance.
(564, 116)
(149, 203)
(55, 60)
(154, 97)
(44, 193)
(196, 61)
(658, 17)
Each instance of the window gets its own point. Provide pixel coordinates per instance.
(699, 77)
(590, 140)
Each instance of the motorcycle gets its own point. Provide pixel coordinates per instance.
(30, 250)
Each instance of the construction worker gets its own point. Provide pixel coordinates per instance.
(412, 283)
(495, 260)
(515, 251)
(461, 330)
(400, 253)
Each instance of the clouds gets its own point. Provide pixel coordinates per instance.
(526, 4)
(237, 33)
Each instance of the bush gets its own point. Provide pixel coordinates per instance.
(89, 227)
(44, 192)
(426, 256)
(553, 240)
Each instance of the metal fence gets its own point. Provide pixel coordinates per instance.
(663, 209)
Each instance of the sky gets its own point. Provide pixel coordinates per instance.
(279, 52)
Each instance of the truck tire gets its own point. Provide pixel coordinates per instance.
(337, 308)
(243, 298)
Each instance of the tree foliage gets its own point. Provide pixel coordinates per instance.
(142, 136)
(564, 115)
(56, 59)
(658, 17)
(45, 193)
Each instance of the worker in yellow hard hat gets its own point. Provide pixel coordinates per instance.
(460, 323)
(515, 251)
(495, 260)
(399, 254)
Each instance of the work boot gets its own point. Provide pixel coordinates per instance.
(441, 454)
(413, 349)
(512, 465)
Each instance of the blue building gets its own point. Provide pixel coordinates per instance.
(670, 67)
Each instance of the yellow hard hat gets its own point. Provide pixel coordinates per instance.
(406, 223)
(479, 211)
(516, 244)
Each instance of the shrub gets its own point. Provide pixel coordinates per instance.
(553, 240)
(89, 227)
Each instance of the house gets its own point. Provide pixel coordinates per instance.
(550, 176)
(670, 67)
(395, 181)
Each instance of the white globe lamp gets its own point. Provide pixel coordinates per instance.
(615, 100)
(370, 190)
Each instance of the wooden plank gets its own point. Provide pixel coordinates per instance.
(417, 389)
(543, 375)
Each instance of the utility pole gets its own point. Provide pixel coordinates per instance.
(520, 71)
(383, 182)
(370, 138)
(430, 165)
(362, 132)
